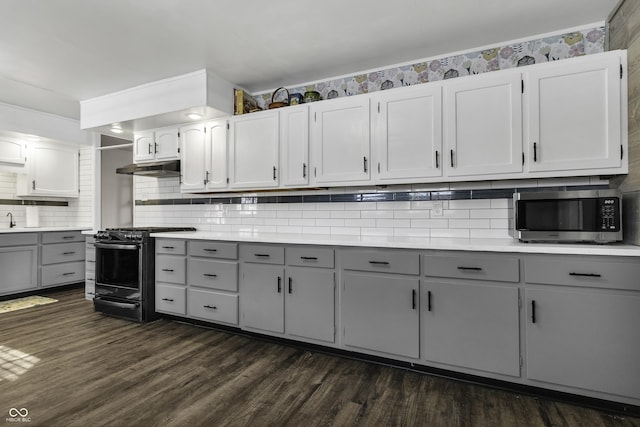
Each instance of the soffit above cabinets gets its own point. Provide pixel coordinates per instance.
(157, 104)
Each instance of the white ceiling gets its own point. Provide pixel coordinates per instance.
(56, 53)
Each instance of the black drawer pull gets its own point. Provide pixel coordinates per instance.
(533, 311)
(585, 274)
(428, 300)
(67, 237)
(213, 307)
(210, 250)
(309, 258)
(170, 270)
(90, 261)
(262, 255)
(168, 247)
(210, 275)
(470, 268)
(69, 274)
(379, 262)
(68, 253)
(413, 299)
(167, 299)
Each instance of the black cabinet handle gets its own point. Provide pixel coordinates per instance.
(379, 262)
(150, 149)
(437, 160)
(304, 170)
(279, 284)
(428, 300)
(168, 247)
(451, 158)
(274, 173)
(67, 237)
(69, 274)
(535, 152)
(68, 253)
(413, 299)
(262, 255)
(210, 250)
(290, 284)
(210, 275)
(470, 268)
(585, 274)
(168, 269)
(213, 307)
(309, 258)
(533, 311)
(365, 163)
(167, 299)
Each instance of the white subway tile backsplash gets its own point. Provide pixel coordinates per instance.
(376, 232)
(488, 234)
(376, 214)
(382, 206)
(429, 223)
(412, 214)
(470, 204)
(450, 232)
(393, 223)
(489, 213)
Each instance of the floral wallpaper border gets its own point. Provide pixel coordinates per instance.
(552, 48)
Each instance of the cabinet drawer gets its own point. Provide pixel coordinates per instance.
(170, 269)
(264, 254)
(171, 299)
(214, 306)
(62, 273)
(383, 261)
(582, 272)
(62, 237)
(18, 239)
(171, 246)
(63, 252)
(213, 249)
(309, 256)
(494, 267)
(214, 274)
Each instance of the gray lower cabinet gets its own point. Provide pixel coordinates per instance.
(380, 313)
(171, 299)
(261, 297)
(18, 264)
(62, 257)
(584, 338)
(473, 325)
(212, 306)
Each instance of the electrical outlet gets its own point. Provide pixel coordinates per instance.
(437, 209)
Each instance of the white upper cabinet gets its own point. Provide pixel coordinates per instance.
(407, 134)
(193, 161)
(12, 151)
(483, 125)
(52, 170)
(216, 176)
(254, 150)
(294, 144)
(573, 116)
(161, 144)
(340, 141)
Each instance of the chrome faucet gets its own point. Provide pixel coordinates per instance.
(12, 223)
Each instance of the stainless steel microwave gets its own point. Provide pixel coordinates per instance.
(593, 216)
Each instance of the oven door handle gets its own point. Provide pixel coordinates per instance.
(133, 247)
(124, 305)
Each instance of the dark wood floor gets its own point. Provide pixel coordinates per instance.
(99, 371)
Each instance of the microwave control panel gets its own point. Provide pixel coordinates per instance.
(609, 214)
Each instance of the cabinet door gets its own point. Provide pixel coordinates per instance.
(474, 326)
(167, 144)
(216, 173)
(54, 170)
(262, 297)
(254, 151)
(309, 303)
(584, 338)
(12, 151)
(193, 167)
(340, 140)
(380, 312)
(483, 125)
(294, 140)
(19, 266)
(574, 115)
(143, 147)
(407, 134)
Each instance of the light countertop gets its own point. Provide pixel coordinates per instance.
(479, 245)
(39, 229)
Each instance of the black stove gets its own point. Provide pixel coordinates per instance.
(125, 271)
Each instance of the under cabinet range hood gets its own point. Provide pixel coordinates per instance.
(166, 169)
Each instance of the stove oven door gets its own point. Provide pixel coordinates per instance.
(119, 280)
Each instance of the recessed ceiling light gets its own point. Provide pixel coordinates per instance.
(194, 116)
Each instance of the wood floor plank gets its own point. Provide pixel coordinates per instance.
(94, 370)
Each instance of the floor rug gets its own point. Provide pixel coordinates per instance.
(26, 302)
